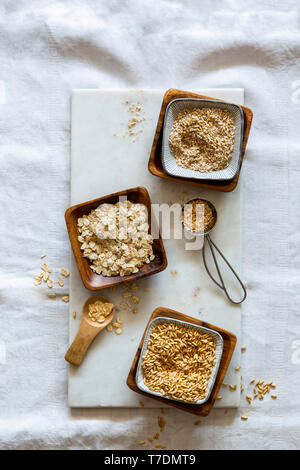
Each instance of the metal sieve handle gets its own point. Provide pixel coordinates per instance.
(220, 284)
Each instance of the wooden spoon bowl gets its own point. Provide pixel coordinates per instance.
(87, 332)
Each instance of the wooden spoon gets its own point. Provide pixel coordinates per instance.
(87, 332)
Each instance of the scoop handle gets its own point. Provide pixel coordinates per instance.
(85, 335)
(221, 284)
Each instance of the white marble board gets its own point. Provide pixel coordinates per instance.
(103, 162)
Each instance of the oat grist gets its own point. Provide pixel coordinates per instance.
(179, 361)
(202, 139)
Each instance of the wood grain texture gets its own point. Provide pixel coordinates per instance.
(87, 332)
(228, 349)
(155, 165)
(95, 281)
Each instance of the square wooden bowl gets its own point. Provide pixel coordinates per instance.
(94, 281)
(229, 343)
(155, 164)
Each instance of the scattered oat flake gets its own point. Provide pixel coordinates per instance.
(49, 283)
(219, 398)
(43, 256)
(252, 381)
(141, 443)
(142, 403)
(197, 290)
(161, 423)
(244, 418)
(150, 439)
(64, 272)
(46, 268)
(126, 294)
(274, 396)
(60, 281)
(243, 348)
(156, 436)
(118, 331)
(109, 327)
(237, 368)
(174, 272)
(74, 315)
(196, 423)
(52, 295)
(232, 387)
(65, 298)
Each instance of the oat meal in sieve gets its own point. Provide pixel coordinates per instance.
(202, 139)
(115, 238)
(196, 220)
(179, 361)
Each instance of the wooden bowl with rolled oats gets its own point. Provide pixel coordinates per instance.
(115, 239)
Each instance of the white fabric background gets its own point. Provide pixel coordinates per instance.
(47, 48)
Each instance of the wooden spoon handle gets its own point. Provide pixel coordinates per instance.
(81, 343)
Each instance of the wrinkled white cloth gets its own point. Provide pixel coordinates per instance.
(47, 48)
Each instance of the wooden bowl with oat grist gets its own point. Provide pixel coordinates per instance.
(87, 263)
(202, 139)
(163, 163)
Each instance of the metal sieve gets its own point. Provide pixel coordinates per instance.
(168, 159)
(213, 248)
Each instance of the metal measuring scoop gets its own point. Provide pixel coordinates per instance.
(208, 241)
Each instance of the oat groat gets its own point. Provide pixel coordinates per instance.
(179, 361)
